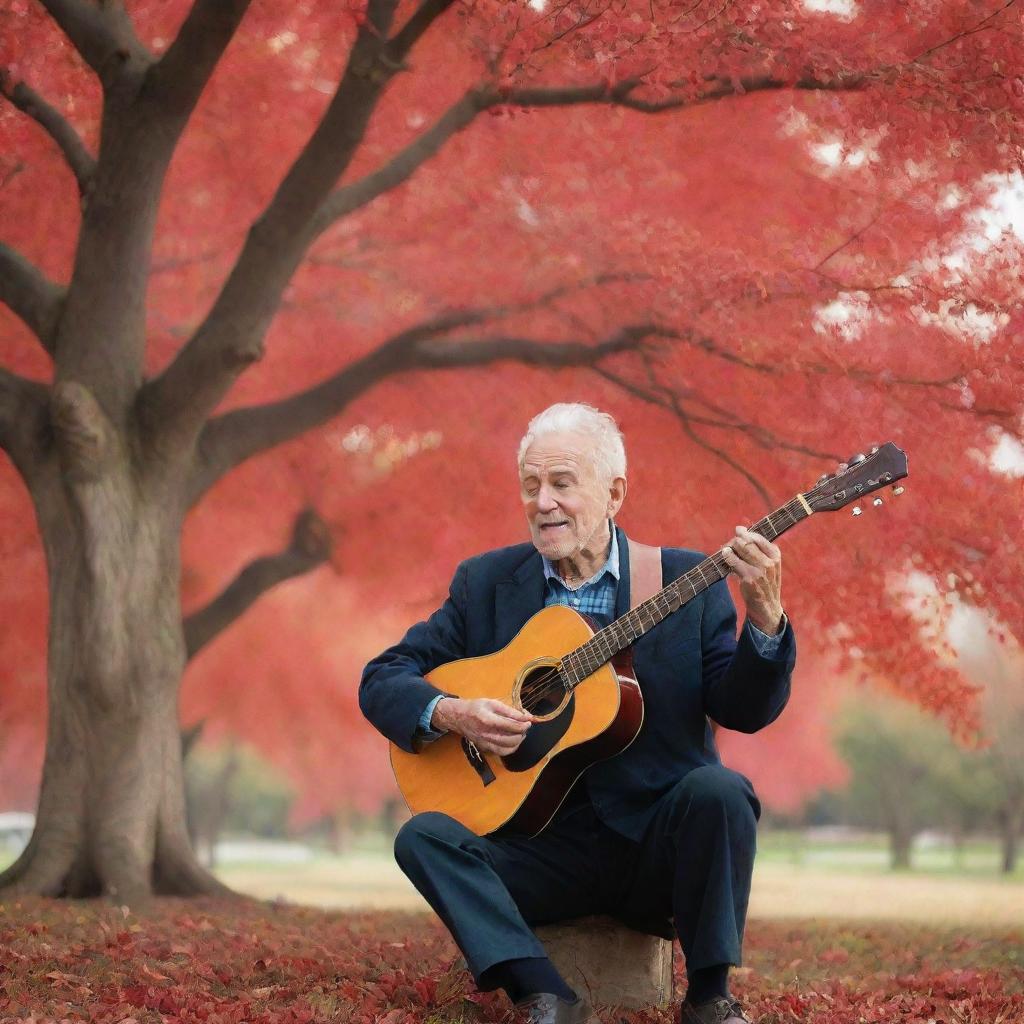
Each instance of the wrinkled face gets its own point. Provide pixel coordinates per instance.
(567, 503)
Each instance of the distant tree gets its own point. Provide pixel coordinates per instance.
(996, 664)
(968, 786)
(897, 754)
(229, 788)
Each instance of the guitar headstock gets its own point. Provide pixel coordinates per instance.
(862, 475)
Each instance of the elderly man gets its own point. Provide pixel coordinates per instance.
(661, 835)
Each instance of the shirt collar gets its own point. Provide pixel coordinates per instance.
(610, 566)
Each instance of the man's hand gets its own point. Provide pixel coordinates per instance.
(758, 565)
(494, 727)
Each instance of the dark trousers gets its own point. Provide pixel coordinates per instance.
(693, 864)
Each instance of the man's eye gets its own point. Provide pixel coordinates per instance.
(562, 485)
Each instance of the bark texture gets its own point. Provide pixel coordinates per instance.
(111, 811)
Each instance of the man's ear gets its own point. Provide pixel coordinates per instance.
(616, 495)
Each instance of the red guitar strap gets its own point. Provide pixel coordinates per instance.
(644, 572)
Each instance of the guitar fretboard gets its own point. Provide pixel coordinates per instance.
(586, 659)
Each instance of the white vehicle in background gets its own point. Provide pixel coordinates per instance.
(15, 830)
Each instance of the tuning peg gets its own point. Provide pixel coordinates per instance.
(874, 448)
(877, 501)
(897, 490)
(821, 479)
(856, 510)
(859, 457)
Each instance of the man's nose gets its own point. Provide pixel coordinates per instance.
(546, 500)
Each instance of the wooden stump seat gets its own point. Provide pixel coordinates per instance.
(610, 963)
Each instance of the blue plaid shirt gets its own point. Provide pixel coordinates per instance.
(596, 597)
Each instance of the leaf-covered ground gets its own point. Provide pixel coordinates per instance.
(220, 963)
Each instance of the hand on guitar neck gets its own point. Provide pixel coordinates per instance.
(495, 727)
(758, 565)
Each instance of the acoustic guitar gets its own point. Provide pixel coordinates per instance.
(578, 680)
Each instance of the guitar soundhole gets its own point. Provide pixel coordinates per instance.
(541, 692)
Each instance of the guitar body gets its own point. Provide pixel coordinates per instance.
(597, 719)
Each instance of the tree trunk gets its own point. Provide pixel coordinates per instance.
(341, 831)
(959, 833)
(1010, 840)
(901, 839)
(1011, 821)
(212, 806)
(111, 816)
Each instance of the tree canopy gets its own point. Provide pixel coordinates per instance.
(765, 237)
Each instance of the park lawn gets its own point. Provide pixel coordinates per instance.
(225, 963)
(979, 857)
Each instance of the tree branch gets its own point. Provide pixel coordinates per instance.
(23, 420)
(31, 295)
(665, 397)
(480, 98)
(181, 74)
(310, 546)
(238, 435)
(713, 348)
(849, 241)
(231, 336)
(345, 200)
(621, 93)
(978, 27)
(761, 436)
(99, 33)
(28, 101)
(413, 29)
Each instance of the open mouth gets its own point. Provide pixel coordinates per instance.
(554, 526)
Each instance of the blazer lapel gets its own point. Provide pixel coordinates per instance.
(518, 598)
(521, 596)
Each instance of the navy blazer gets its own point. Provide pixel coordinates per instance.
(690, 668)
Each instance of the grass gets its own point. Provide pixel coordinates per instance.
(978, 858)
(794, 879)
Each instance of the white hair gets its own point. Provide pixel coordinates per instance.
(575, 417)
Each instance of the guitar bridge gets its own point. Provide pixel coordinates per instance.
(478, 762)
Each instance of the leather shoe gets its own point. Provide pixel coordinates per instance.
(720, 1010)
(545, 1008)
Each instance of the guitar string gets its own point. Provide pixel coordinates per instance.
(537, 688)
(540, 687)
(546, 687)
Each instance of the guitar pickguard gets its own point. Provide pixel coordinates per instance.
(539, 739)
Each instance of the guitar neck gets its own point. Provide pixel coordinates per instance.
(605, 644)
